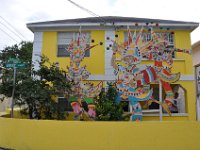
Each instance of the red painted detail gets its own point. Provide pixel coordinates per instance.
(153, 72)
(146, 76)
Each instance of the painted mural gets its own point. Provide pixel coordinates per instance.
(133, 81)
(81, 92)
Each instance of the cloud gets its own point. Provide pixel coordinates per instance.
(38, 16)
(20, 12)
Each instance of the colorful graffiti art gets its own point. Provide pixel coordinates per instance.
(133, 81)
(80, 91)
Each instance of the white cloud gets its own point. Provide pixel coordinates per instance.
(20, 12)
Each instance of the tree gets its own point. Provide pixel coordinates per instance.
(40, 90)
(35, 89)
(21, 51)
(107, 109)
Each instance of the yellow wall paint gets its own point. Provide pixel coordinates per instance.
(95, 63)
(49, 47)
(74, 135)
(183, 41)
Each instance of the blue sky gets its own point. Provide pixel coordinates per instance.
(20, 12)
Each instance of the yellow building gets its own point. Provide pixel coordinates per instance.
(51, 38)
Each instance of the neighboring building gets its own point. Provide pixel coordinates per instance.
(196, 64)
(196, 53)
(52, 37)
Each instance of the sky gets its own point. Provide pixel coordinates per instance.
(18, 13)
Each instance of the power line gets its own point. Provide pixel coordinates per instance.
(87, 10)
(9, 35)
(13, 27)
(10, 30)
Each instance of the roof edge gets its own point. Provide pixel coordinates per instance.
(195, 44)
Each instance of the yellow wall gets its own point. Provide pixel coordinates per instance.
(94, 62)
(183, 41)
(61, 135)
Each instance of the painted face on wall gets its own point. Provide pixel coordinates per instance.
(131, 55)
(77, 55)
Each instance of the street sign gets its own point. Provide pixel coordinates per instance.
(10, 66)
(18, 65)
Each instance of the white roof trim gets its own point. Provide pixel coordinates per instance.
(107, 24)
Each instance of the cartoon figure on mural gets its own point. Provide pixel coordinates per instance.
(132, 82)
(76, 73)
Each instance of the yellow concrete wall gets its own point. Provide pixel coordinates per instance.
(73, 135)
(95, 63)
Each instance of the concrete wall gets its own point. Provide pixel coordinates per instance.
(22, 134)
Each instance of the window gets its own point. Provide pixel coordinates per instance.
(178, 101)
(171, 38)
(64, 104)
(64, 38)
(146, 37)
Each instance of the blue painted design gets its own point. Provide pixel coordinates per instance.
(137, 52)
(136, 117)
(150, 75)
(135, 70)
(118, 98)
(142, 81)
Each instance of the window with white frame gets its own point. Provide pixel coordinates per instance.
(63, 40)
(179, 101)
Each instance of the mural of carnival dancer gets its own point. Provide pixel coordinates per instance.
(131, 81)
(158, 50)
(80, 91)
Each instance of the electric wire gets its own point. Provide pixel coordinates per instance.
(10, 30)
(13, 28)
(8, 35)
(87, 10)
